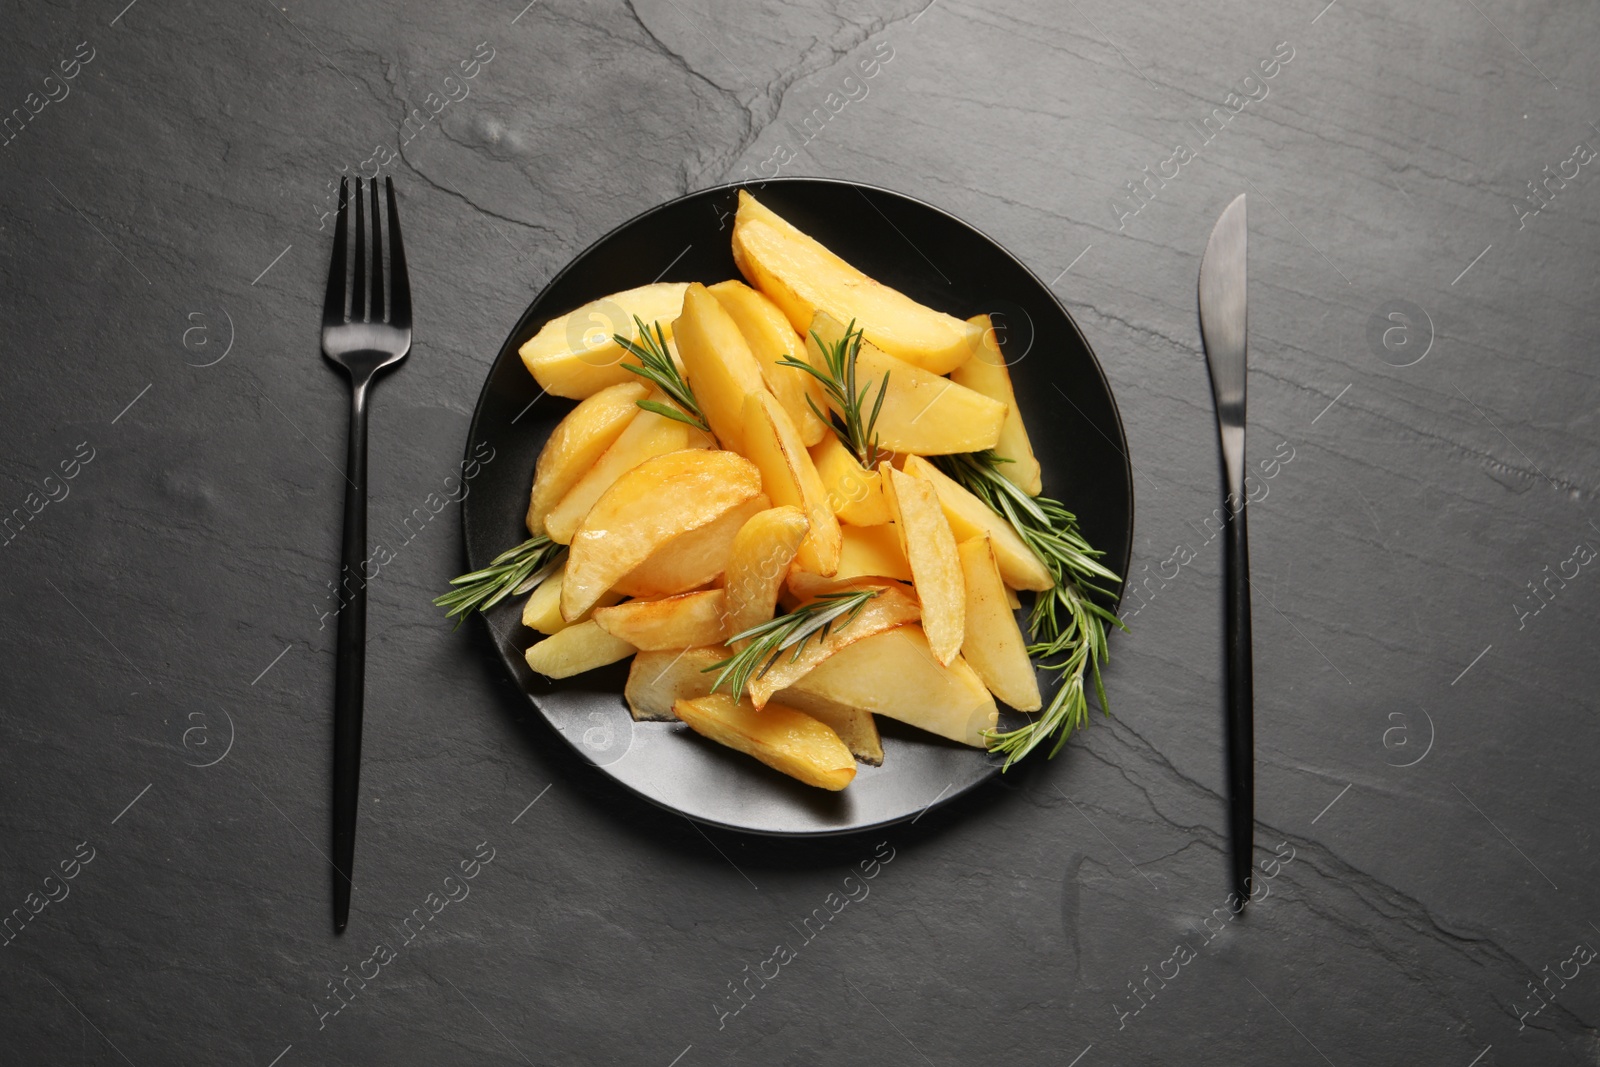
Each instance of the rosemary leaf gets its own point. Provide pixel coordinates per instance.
(1067, 620)
(513, 572)
(655, 363)
(668, 411)
(838, 378)
(770, 639)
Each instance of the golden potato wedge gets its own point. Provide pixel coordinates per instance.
(691, 559)
(772, 338)
(986, 373)
(575, 355)
(542, 611)
(1012, 600)
(930, 549)
(801, 277)
(872, 550)
(968, 517)
(784, 739)
(789, 477)
(762, 551)
(890, 608)
(645, 508)
(721, 369)
(855, 726)
(854, 493)
(688, 620)
(580, 647)
(577, 443)
(646, 436)
(893, 673)
(922, 412)
(657, 679)
(993, 645)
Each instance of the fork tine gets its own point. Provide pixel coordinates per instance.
(358, 286)
(377, 258)
(333, 304)
(399, 280)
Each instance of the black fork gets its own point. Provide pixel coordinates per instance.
(374, 334)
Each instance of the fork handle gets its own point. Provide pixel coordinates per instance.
(350, 669)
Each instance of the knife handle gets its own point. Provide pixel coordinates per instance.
(1240, 695)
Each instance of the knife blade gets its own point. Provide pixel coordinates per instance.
(1223, 329)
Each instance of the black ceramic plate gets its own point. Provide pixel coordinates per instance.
(925, 253)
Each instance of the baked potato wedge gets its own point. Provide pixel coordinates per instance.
(789, 478)
(718, 362)
(580, 647)
(762, 551)
(771, 339)
(893, 673)
(648, 506)
(542, 610)
(872, 551)
(986, 373)
(922, 412)
(855, 726)
(784, 739)
(657, 679)
(691, 559)
(968, 517)
(854, 493)
(577, 443)
(802, 277)
(687, 620)
(930, 549)
(646, 436)
(576, 355)
(993, 645)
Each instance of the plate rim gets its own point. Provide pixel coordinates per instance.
(994, 769)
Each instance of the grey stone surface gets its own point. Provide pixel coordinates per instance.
(1425, 748)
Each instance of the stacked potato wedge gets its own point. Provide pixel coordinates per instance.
(749, 512)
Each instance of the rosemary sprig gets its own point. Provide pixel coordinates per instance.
(769, 639)
(839, 382)
(1045, 525)
(655, 363)
(1083, 637)
(1065, 620)
(512, 573)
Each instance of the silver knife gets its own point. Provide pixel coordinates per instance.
(1222, 325)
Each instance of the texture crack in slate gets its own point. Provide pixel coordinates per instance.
(1375, 915)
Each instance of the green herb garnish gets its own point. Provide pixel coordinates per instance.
(839, 381)
(769, 639)
(512, 573)
(655, 363)
(1065, 620)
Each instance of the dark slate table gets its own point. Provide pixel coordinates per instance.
(1423, 205)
